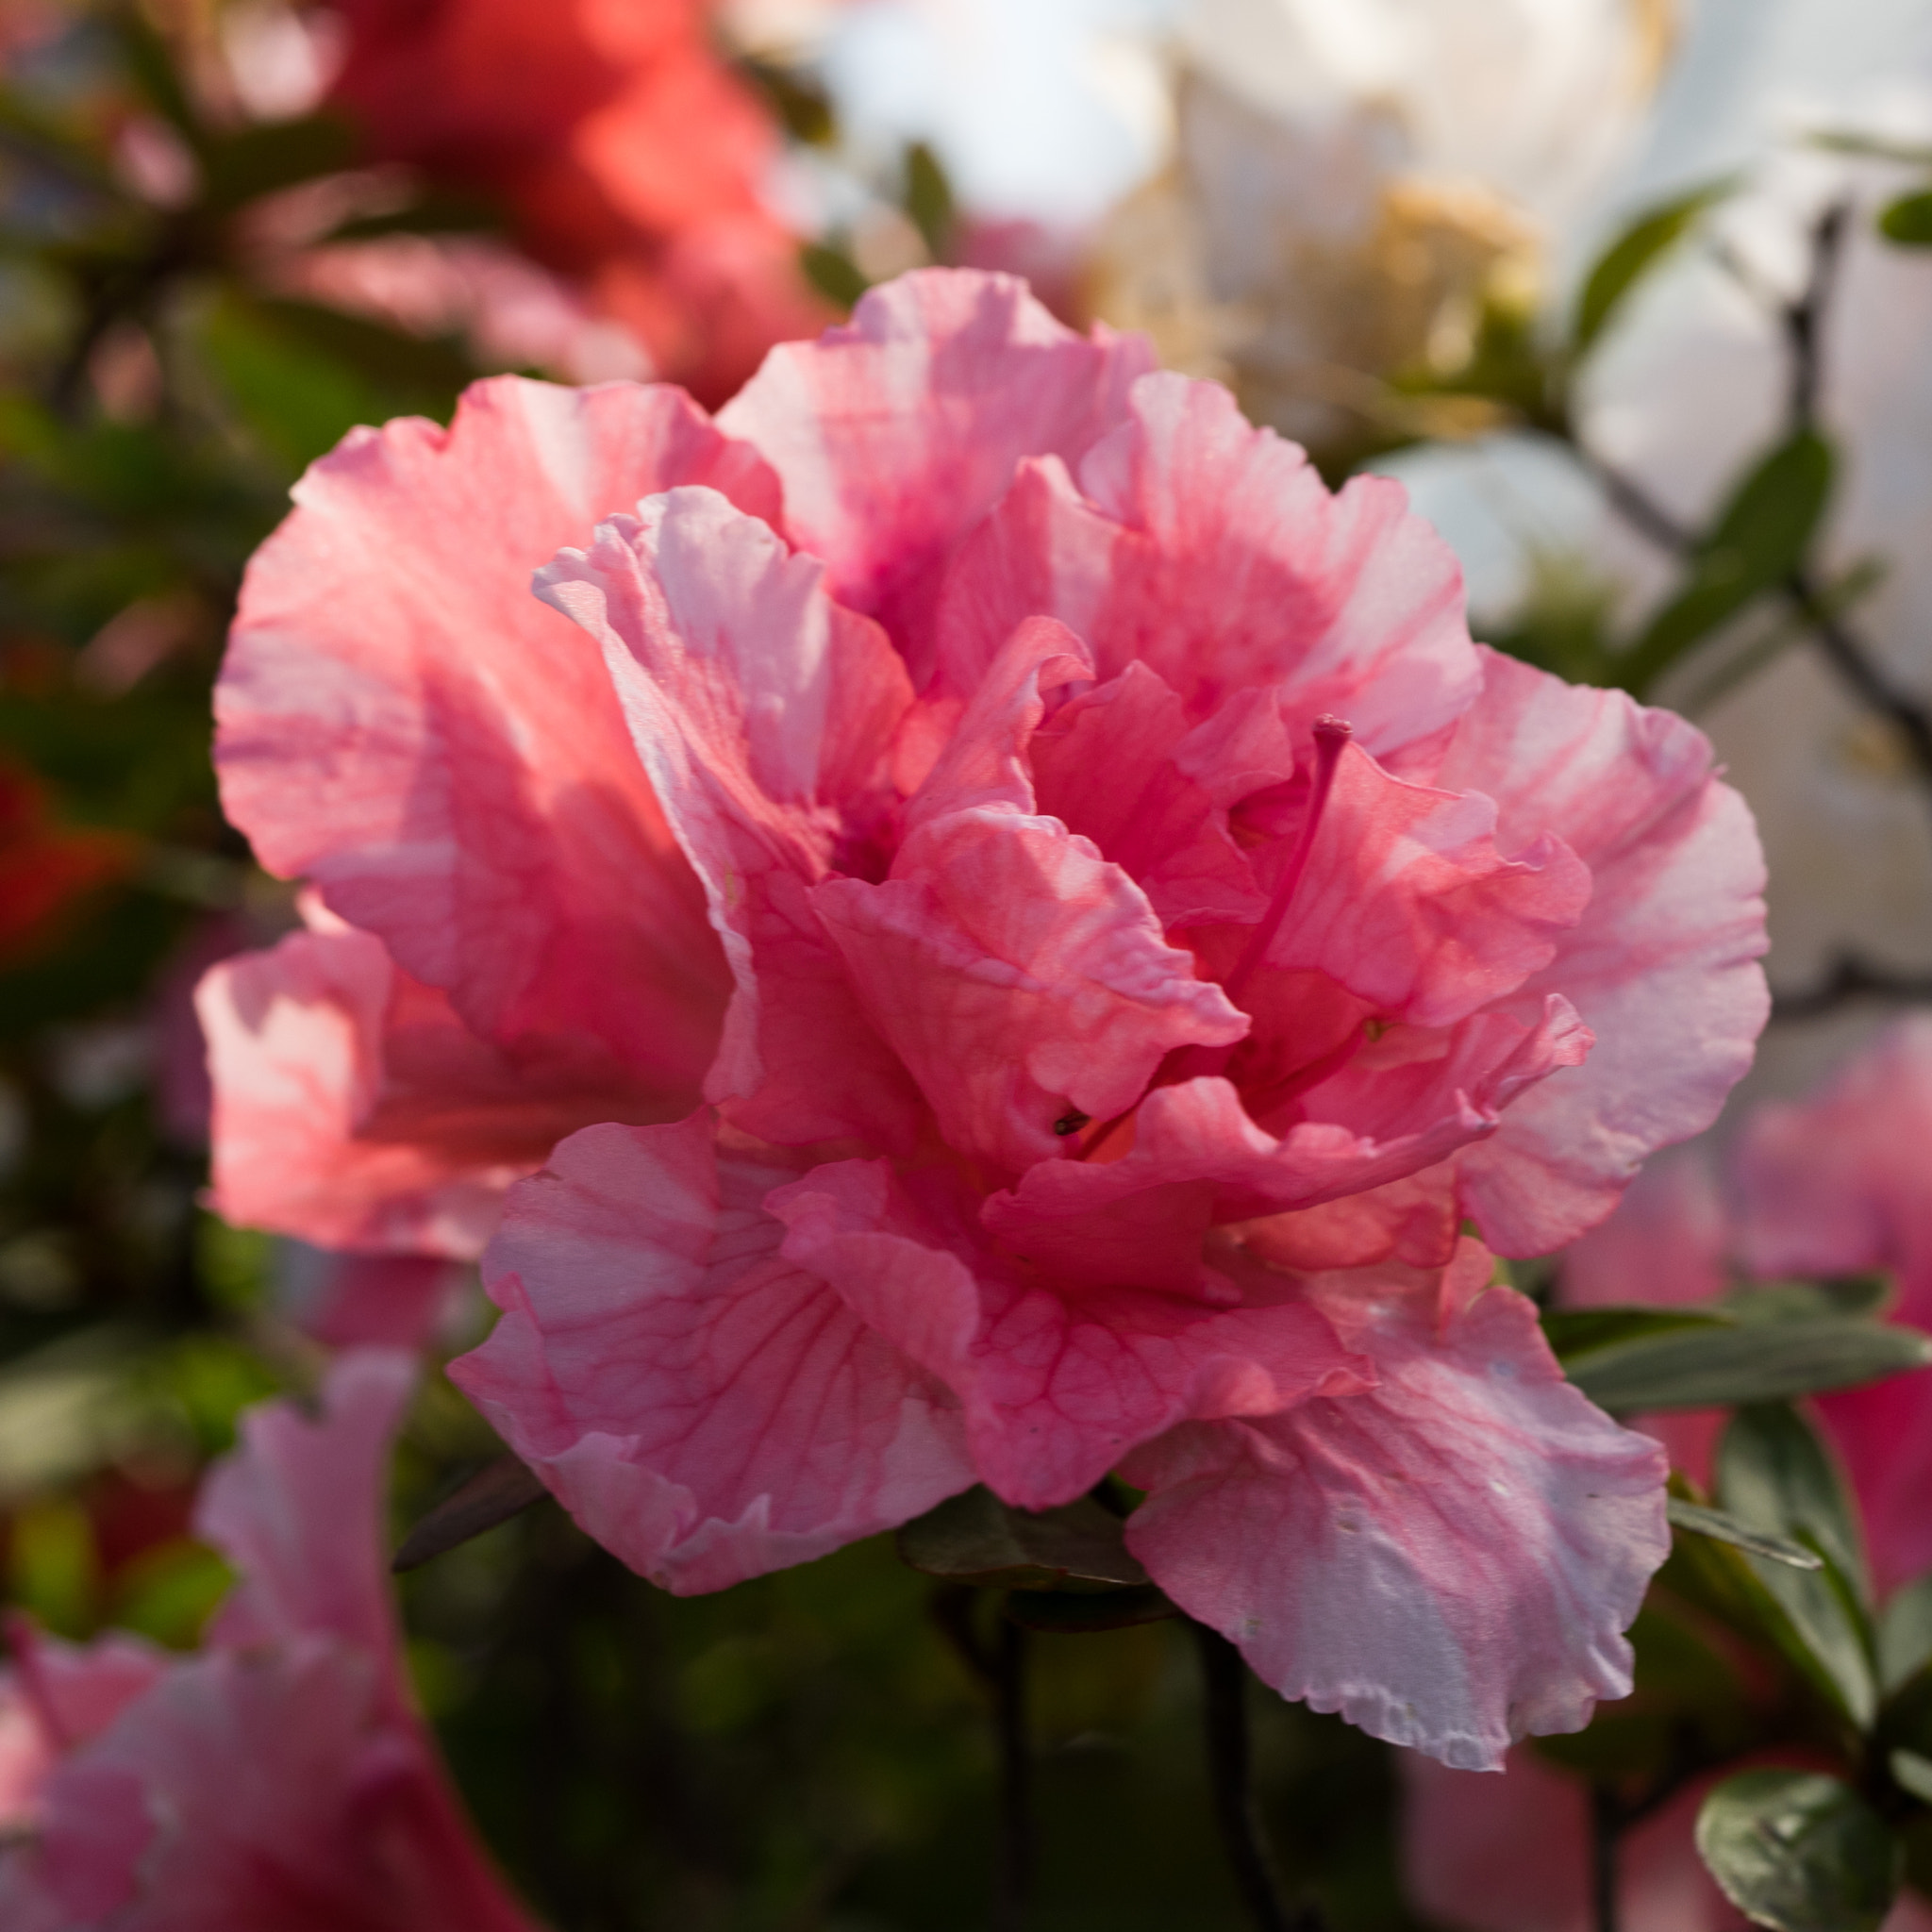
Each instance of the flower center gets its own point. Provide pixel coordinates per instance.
(1196, 1063)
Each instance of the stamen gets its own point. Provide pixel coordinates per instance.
(1331, 734)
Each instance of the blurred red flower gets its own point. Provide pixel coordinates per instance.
(44, 867)
(629, 155)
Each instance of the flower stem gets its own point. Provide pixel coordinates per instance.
(1605, 1826)
(1224, 1682)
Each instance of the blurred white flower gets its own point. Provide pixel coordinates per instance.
(1353, 178)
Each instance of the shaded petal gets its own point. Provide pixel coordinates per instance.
(1056, 1387)
(1213, 552)
(353, 1108)
(399, 720)
(764, 713)
(1663, 966)
(895, 434)
(259, 1790)
(1448, 1559)
(704, 1407)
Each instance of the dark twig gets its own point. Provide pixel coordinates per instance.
(1804, 316)
(1606, 1822)
(1849, 977)
(1224, 1683)
(1001, 1668)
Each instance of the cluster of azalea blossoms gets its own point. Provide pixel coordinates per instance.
(278, 1778)
(1045, 929)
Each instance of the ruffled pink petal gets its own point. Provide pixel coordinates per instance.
(1118, 765)
(1021, 978)
(1406, 902)
(57, 1696)
(1663, 967)
(1512, 1853)
(298, 1510)
(704, 1407)
(1836, 1183)
(1448, 1559)
(764, 713)
(1211, 552)
(1056, 1387)
(895, 434)
(354, 1110)
(400, 721)
(1195, 1157)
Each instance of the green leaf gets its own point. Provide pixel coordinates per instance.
(1909, 220)
(1857, 1297)
(1755, 1361)
(832, 273)
(1067, 1612)
(1577, 1331)
(1905, 1632)
(975, 1538)
(496, 1492)
(1799, 1851)
(1758, 542)
(1631, 256)
(1725, 1528)
(1773, 1475)
(928, 199)
(1911, 1773)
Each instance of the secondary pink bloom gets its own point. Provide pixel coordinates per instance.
(278, 1781)
(1131, 898)
(1836, 1184)
(1512, 1853)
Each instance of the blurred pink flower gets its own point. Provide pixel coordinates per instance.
(279, 1779)
(631, 158)
(1071, 973)
(1836, 1184)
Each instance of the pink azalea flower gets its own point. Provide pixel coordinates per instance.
(1099, 891)
(279, 1780)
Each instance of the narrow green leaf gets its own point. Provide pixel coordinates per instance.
(1757, 1362)
(1857, 1297)
(1631, 256)
(1799, 1851)
(832, 273)
(1758, 542)
(1576, 1331)
(1909, 220)
(1774, 1475)
(1911, 1773)
(1905, 1632)
(928, 199)
(496, 1492)
(975, 1538)
(1725, 1528)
